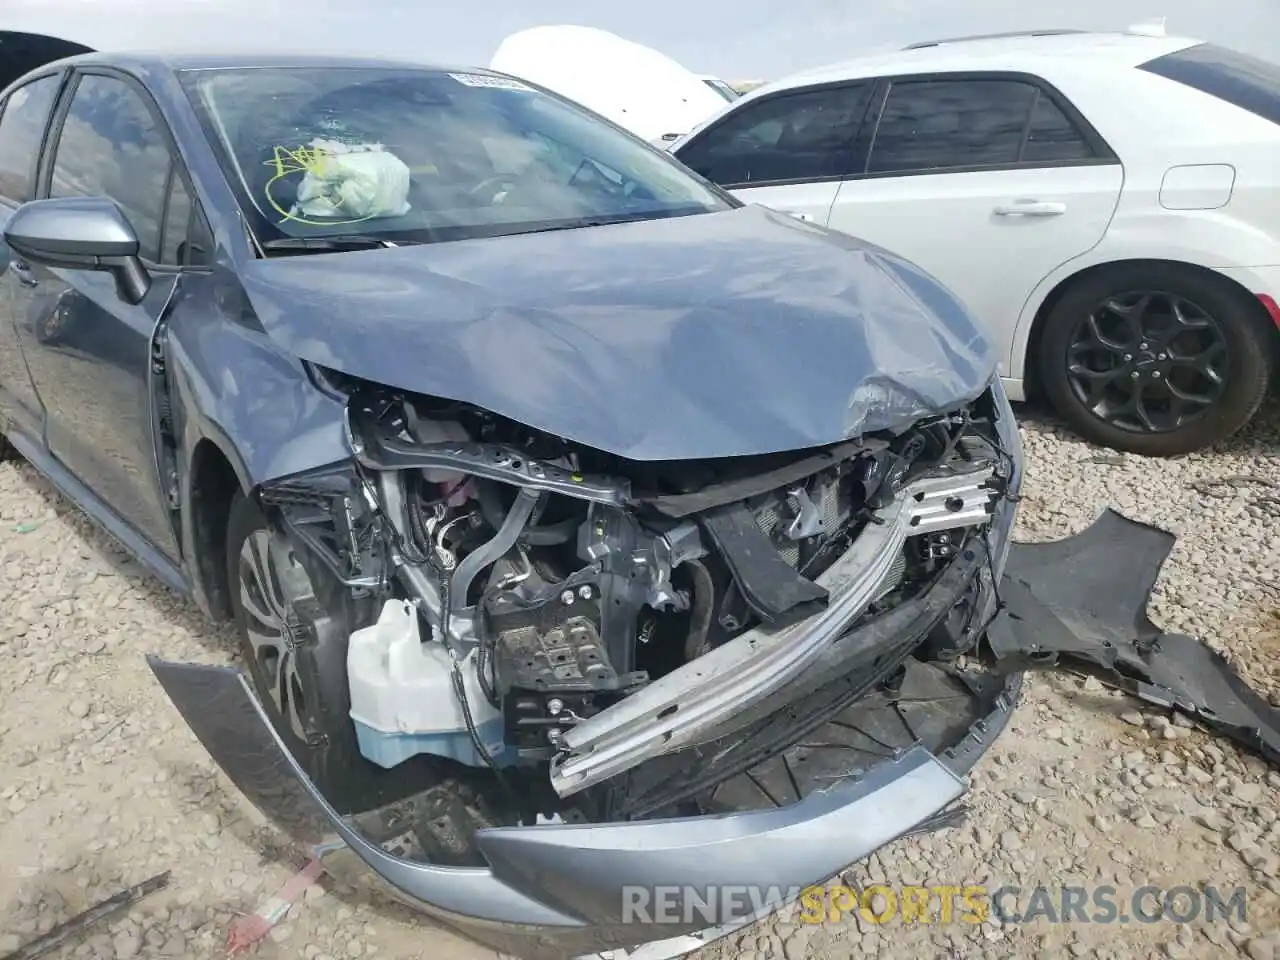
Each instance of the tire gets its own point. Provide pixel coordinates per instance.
(326, 748)
(1238, 336)
(52, 327)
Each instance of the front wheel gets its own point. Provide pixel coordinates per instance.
(1155, 360)
(52, 326)
(294, 621)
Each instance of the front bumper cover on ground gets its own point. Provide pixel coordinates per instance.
(1082, 602)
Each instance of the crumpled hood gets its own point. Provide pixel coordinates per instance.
(725, 334)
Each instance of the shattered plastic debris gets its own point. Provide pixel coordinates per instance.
(248, 930)
(1083, 600)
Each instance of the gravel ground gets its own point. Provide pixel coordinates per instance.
(101, 785)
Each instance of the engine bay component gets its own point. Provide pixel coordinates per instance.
(381, 439)
(579, 614)
(552, 654)
(771, 587)
(687, 705)
(548, 672)
(866, 658)
(402, 698)
(488, 553)
(756, 482)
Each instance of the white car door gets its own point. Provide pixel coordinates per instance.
(804, 201)
(988, 184)
(787, 151)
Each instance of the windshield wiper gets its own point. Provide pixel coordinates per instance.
(606, 220)
(355, 241)
(603, 221)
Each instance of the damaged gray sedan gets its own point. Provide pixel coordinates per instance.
(586, 531)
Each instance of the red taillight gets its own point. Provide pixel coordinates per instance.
(1272, 308)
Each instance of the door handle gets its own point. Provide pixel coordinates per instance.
(1031, 208)
(23, 273)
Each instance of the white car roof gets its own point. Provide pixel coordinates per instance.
(1035, 53)
(635, 86)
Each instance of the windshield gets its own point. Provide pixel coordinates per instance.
(407, 154)
(722, 88)
(1242, 80)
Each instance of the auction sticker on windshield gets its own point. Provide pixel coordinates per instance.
(496, 83)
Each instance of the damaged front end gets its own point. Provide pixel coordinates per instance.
(610, 667)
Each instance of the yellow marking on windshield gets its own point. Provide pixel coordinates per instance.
(302, 160)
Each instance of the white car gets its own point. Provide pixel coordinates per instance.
(721, 87)
(637, 87)
(1107, 203)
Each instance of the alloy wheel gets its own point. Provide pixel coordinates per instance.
(272, 584)
(1148, 361)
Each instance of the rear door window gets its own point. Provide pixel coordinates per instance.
(1052, 136)
(22, 124)
(1249, 83)
(935, 125)
(794, 137)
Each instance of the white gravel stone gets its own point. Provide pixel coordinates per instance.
(1247, 792)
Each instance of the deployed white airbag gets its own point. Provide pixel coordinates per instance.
(357, 182)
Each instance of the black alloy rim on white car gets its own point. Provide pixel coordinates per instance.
(1148, 361)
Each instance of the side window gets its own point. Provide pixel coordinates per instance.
(1052, 136)
(199, 250)
(22, 124)
(798, 136)
(940, 124)
(110, 147)
(186, 239)
(177, 221)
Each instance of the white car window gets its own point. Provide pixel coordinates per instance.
(1246, 82)
(937, 124)
(1052, 137)
(807, 135)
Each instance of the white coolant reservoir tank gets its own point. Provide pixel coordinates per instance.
(402, 695)
(425, 430)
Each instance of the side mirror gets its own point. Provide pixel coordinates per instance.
(80, 233)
